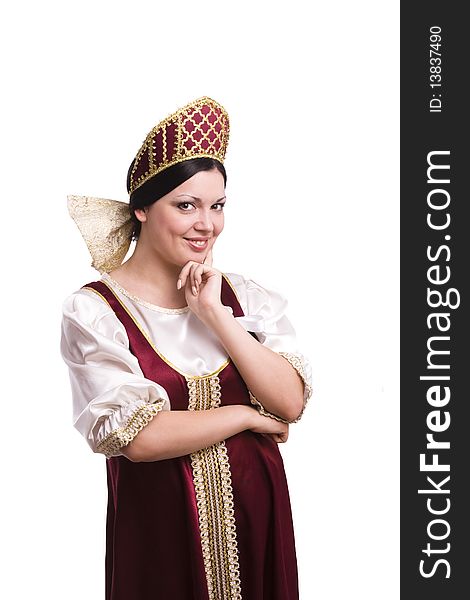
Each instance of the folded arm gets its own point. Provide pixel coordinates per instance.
(118, 410)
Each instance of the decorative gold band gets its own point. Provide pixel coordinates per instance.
(214, 497)
(296, 362)
(118, 438)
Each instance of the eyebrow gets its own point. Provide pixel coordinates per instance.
(199, 199)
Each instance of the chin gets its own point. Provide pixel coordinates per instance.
(180, 261)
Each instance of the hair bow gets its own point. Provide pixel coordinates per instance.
(106, 226)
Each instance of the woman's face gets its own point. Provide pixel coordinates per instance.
(184, 224)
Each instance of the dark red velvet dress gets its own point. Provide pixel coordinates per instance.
(213, 525)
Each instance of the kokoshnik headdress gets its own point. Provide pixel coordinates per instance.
(198, 130)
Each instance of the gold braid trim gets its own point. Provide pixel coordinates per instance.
(214, 497)
(118, 438)
(296, 362)
(263, 411)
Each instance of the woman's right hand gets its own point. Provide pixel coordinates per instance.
(277, 430)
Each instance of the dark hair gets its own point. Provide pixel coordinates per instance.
(165, 181)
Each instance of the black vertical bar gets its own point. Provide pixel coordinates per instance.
(435, 258)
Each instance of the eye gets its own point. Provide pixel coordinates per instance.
(185, 206)
(220, 206)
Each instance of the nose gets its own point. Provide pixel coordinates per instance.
(204, 221)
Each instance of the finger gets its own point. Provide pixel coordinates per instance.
(208, 259)
(191, 280)
(195, 274)
(182, 277)
(195, 278)
(198, 274)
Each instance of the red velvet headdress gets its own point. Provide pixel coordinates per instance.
(199, 129)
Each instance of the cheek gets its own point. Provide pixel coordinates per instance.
(170, 225)
(219, 225)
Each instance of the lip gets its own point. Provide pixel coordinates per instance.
(196, 247)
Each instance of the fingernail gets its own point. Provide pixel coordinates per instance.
(178, 284)
(194, 290)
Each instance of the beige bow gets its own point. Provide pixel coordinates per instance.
(106, 227)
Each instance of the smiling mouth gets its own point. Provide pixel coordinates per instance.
(197, 244)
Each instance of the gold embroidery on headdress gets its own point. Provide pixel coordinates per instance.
(199, 129)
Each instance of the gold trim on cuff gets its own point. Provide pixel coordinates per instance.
(263, 411)
(118, 438)
(296, 362)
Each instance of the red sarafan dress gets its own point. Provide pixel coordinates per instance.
(212, 525)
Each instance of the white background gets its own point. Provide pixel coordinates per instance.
(312, 93)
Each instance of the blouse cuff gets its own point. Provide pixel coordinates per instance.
(263, 411)
(301, 365)
(119, 437)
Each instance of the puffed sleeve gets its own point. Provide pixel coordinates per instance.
(265, 315)
(112, 400)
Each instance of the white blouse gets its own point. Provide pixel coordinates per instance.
(108, 386)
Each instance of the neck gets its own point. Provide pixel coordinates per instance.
(151, 278)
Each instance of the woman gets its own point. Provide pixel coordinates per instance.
(186, 379)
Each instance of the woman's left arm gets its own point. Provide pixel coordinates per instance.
(270, 376)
